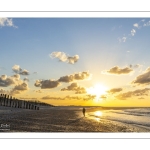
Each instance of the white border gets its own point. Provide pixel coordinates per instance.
(71, 135)
(72, 14)
(76, 135)
(74, 5)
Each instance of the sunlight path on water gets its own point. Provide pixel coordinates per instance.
(95, 115)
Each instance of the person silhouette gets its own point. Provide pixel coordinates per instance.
(83, 110)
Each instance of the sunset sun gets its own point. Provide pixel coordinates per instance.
(98, 90)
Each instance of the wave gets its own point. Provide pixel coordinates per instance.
(138, 117)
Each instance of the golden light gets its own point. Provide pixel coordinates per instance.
(98, 90)
(97, 119)
(98, 113)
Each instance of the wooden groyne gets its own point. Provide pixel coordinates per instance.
(9, 101)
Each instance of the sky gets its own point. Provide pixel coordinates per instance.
(76, 61)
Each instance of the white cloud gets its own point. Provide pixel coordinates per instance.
(123, 39)
(115, 90)
(64, 57)
(76, 76)
(147, 24)
(7, 22)
(133, 32)
(17, 69)
(19, 88)
(129, 94)
(6, 81)
(136, 25)
(118, 71)
(75, 87)
(2, 91)
(26, 79)
(143, 20)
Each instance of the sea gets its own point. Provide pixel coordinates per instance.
(136, 116)
(139, 117)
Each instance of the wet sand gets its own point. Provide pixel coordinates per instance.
(57, 119)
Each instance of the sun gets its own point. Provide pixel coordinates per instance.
(98, 90)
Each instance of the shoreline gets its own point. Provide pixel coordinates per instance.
(55, 119)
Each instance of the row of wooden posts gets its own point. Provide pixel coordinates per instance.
(9, 101)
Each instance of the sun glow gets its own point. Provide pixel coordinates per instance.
(98, 113)
(97, 90)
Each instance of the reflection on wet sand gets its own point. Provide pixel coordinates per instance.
(97, 114)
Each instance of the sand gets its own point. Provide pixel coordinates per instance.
(58, 119)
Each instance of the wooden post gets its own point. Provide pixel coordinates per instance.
(1, 100)
(26, 105)
(10, 101)
(31, 106)
(5, 100)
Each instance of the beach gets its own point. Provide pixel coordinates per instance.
(61, 119)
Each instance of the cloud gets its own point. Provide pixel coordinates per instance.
(19, 88)
(7, 22)
(6, 81)
(26, 80)
(123, 39)
(115, 90)
(147, 24)
(68, 97)
(17, 69)
(77, 76)
(64, 57)
(142, 20)
(139, 92)
(62, 98)
(52, 98)
(16, 76)
(103, 96)
(34, 72)
(133, 32)
(38, 91)
(2, 91)
(89, 97)
(73, 59)
(46, 84)
(118, 71)
(141, 98)
(143, 79)
(76, 88)
(28, 98)
(135, 66)
(85, 98)
(136, 25)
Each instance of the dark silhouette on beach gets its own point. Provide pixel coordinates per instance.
(83, 111)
